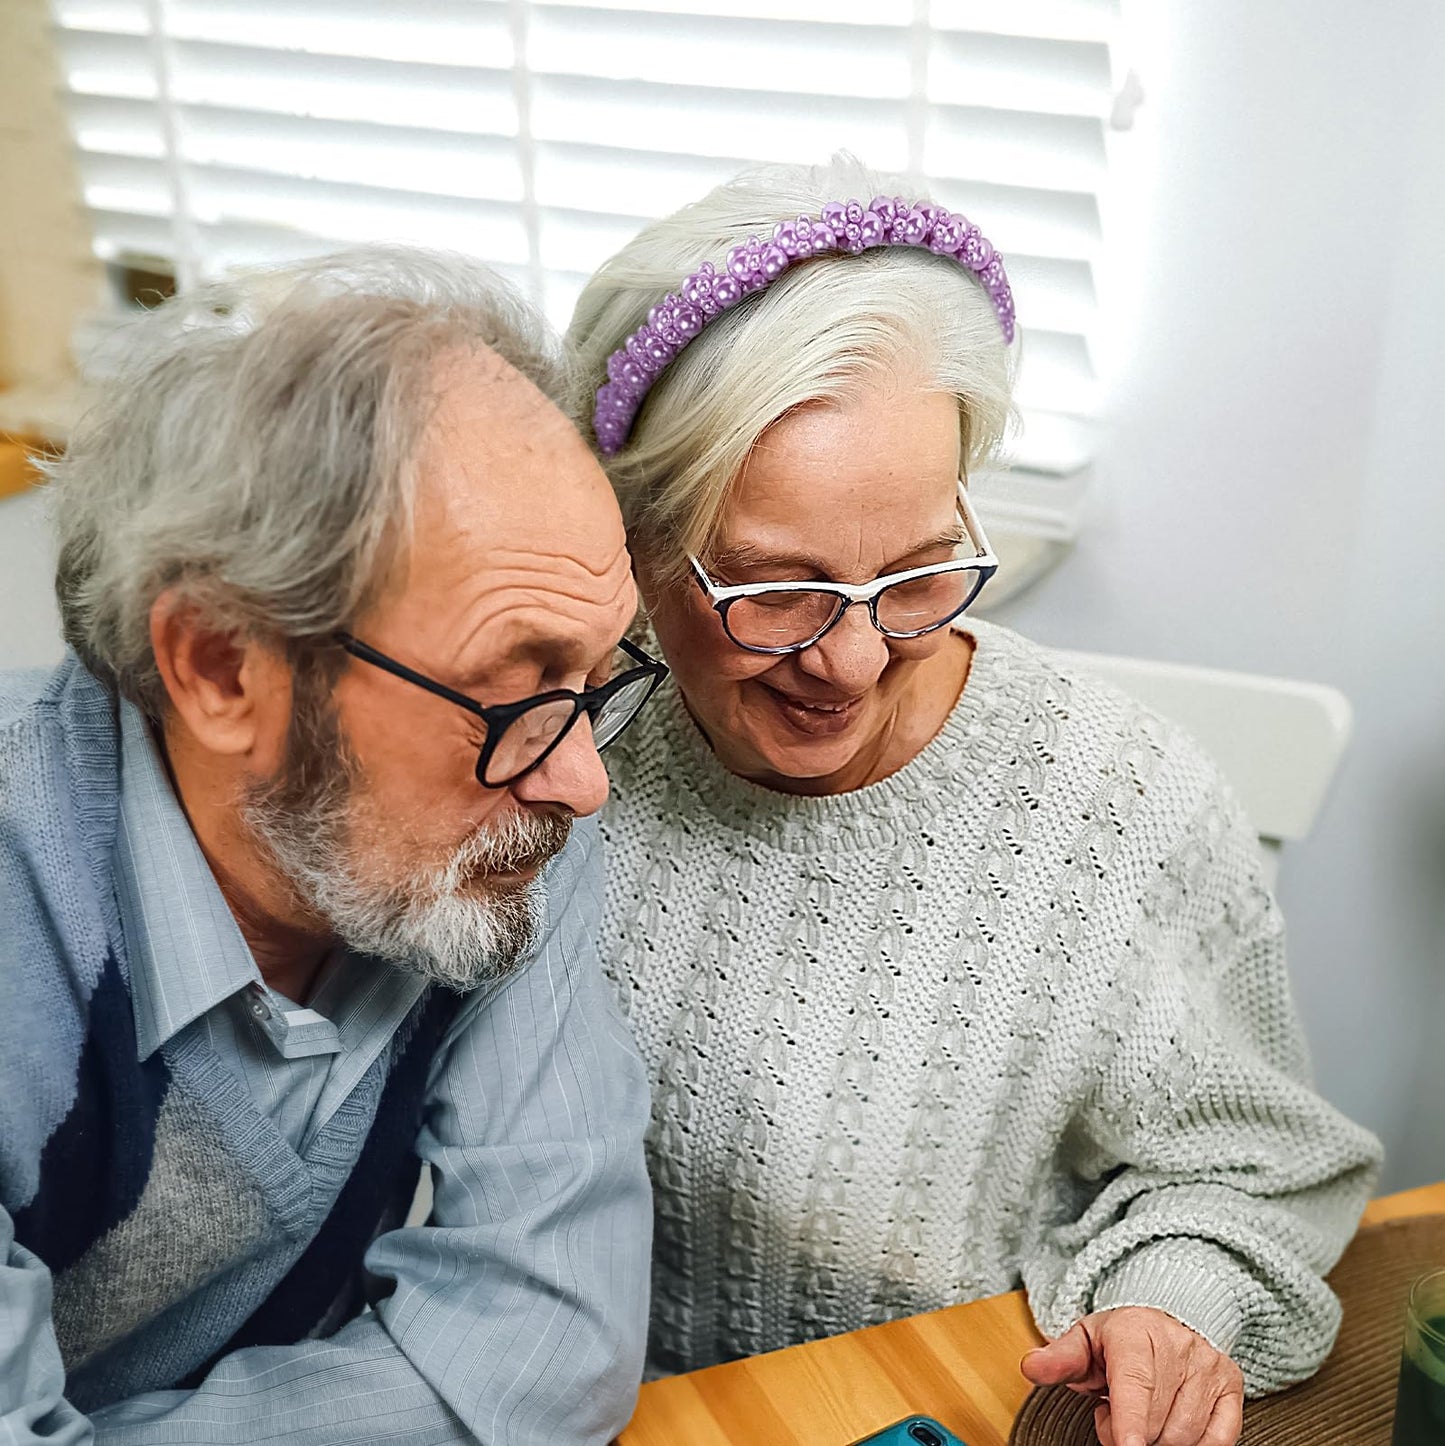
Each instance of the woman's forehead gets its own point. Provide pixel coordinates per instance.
(828, 469)
(842, 530)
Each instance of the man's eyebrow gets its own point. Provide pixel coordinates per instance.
(748, 555)
(563, 654)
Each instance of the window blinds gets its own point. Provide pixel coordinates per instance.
(539, 134)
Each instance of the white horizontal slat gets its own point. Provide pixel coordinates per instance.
(1058, 153)
(635, 13)
(119, 17)
(123, 234)
(96, 63)
(440, 163)
(116, 126)
(1053, 294)
(560, 290)
(220, 195)
(600, 178)
(442, 32)
(1053, 443)
(436, 32)
(358, 213)
(1048, 19)
(871, 61)
(440, 97)
(1019, 220)
(1007, 72)
(680, 119)
(1056, 374)
(454, 98)
(237, 244)
(1028, 501)
(582, 240)
(125, 183)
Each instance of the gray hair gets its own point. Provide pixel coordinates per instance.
(256, 449)
(813, 335)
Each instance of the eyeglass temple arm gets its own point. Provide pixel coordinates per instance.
(367, 654)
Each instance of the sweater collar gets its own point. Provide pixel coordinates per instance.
(964, 754)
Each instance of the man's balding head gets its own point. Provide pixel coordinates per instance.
(365, 445)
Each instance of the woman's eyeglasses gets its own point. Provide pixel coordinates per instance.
(521, 735)
(786, 617)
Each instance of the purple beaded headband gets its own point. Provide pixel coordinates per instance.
(843, 226)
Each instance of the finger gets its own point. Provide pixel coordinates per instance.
(1070, 1359)
(1136, 1405)
(1190, 1411)
(1103, 1424)
(1227, 1421)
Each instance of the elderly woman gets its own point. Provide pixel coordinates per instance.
(954, 968)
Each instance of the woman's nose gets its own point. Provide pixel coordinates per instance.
(851, 654)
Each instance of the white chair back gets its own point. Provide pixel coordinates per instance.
(1279, 742)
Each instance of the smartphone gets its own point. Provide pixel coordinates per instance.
(913, 1431)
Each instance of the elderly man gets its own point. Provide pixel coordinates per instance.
(291, 892)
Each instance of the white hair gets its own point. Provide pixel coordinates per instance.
(316, 823)
(256, 449)
(813, 335)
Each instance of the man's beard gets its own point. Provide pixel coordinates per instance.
(458, 923)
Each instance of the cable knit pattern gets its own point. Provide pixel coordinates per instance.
(1017, 1014)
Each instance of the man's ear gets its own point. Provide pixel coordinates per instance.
(231, 693)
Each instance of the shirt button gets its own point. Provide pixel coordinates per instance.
(259, 1008)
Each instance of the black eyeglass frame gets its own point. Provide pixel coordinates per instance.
(498, 716)
(983, 564)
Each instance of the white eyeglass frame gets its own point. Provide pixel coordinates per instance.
(984, 562)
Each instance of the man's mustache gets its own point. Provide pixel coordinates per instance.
(523, 841)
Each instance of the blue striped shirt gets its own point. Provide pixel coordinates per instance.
(519, 1310)
(191, 965)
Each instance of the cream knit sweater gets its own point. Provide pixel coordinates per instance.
(1017, 1014)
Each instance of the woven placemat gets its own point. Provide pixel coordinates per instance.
(1351, 1402)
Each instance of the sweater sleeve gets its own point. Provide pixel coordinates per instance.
(1220, 1187)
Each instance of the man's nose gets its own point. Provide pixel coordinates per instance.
(851, 655)
(571, 776)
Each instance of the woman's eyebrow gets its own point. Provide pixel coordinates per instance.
(747, 555)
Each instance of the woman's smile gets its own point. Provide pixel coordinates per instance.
(813, 717)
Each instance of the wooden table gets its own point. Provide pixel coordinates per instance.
(959, 1365)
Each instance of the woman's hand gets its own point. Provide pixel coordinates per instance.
(1159, 1381)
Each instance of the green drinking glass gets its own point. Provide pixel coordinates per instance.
(1420, 1403)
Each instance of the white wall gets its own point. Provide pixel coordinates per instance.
(1272, 493)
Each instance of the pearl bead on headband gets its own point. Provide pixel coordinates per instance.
(844, 226)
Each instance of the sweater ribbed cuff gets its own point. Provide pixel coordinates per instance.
(1190, 1280)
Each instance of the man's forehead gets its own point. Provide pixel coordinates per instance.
(479, 400)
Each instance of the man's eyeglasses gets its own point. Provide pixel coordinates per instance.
(786, 617)
(521, 735)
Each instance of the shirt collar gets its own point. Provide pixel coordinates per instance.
(186, 951)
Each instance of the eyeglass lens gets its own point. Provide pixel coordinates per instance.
(531, 734)
(786, 619)
(526, 738)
